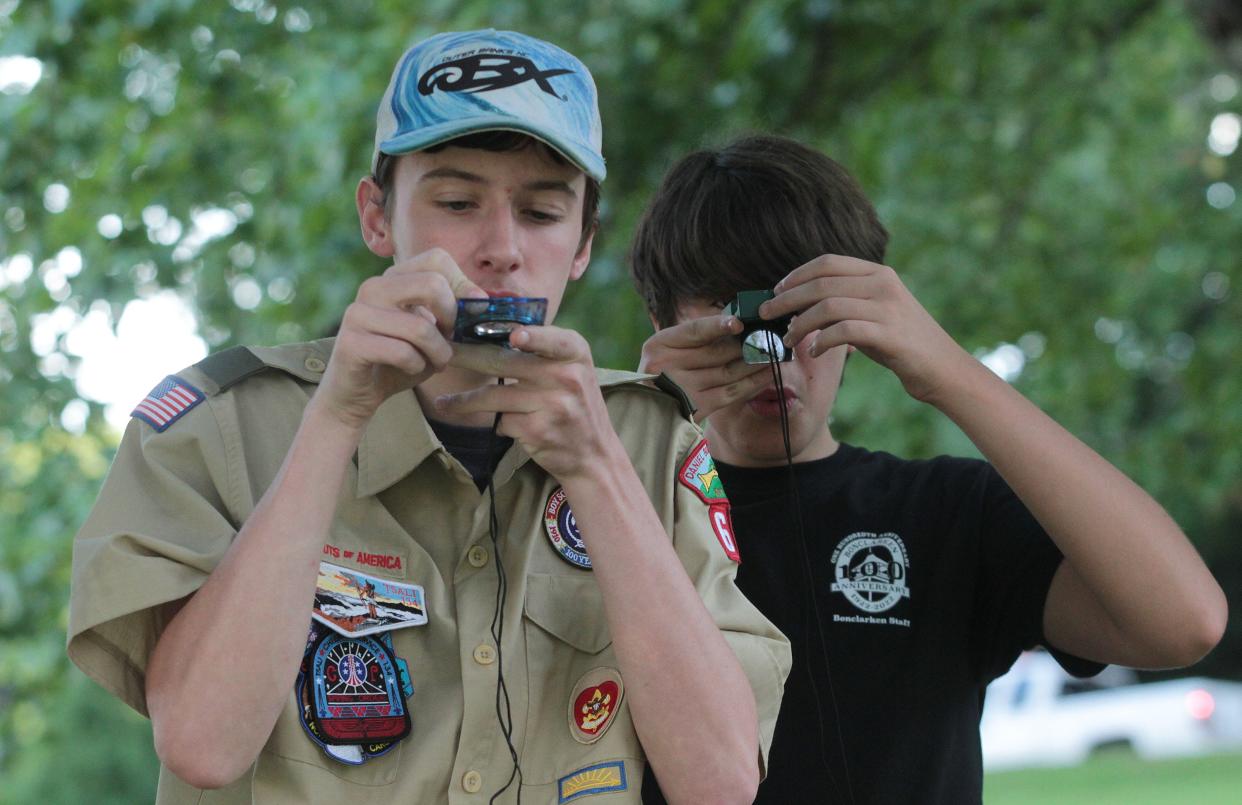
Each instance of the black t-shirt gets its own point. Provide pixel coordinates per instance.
(930, 578)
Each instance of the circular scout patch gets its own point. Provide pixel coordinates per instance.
(562, 528)
(593, 704)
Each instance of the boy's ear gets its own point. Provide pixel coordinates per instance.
(583, 258)
(376, 228)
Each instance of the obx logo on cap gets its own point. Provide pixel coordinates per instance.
(486, 71)
(455, 84)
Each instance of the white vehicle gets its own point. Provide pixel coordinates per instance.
(1039, 715)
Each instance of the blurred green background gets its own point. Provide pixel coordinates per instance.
(1059, 178)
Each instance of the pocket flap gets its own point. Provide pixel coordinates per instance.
(569, 608)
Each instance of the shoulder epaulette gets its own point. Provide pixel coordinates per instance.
(230, 367)
(666, 384)
(616, 378)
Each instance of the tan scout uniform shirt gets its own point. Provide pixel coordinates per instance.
(174, 501)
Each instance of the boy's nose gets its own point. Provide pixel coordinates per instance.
(498, 247)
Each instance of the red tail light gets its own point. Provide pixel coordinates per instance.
(1200, 704)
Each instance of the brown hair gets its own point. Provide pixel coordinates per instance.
(500, 140)
(743, 216)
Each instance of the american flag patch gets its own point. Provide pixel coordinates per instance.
(167, 402)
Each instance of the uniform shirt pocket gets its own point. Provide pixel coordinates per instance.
(569, 608)
(567, 641)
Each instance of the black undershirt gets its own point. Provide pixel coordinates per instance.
(471, 446)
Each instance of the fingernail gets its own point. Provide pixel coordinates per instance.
(440, 402)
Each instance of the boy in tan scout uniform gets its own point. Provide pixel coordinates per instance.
(296, 566)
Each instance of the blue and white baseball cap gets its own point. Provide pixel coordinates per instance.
(459, 83)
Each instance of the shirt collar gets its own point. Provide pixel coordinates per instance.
(397, 440)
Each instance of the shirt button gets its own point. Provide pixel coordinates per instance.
(472, 781)
(314, 364)
(484, 654)
(477, 556)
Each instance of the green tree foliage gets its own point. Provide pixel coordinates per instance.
(1045, 170)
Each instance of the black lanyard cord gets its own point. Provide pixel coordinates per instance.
(809, 594)
(504, 710)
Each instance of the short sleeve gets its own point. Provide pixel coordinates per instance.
(703, 539)
(158, 528)
(1017, 560)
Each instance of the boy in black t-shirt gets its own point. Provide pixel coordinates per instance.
(929, 576)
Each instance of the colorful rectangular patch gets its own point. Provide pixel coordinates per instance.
(354, 604)
(166, 403)
(598, 779)
(699, 474)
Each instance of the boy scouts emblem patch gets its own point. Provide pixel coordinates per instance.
(698, 473)
(562, 528)
(166, 403)
(595, 779)
(355, 603)
(593, 704)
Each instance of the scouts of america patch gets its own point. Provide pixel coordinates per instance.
(597, 779)
(593, 704)
(698, 474)
(562, 528)
(352, 693)
(167, 402)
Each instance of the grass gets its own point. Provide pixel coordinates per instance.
(1120, 778)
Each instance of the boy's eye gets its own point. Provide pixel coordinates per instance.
(455, 205)
(543, 216)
